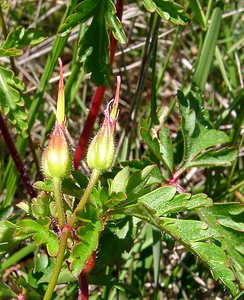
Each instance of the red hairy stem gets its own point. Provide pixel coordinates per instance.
(96, 101)
(16, 158)
(83, 282)
(83, 287)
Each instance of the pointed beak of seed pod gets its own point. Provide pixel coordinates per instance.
(60, 117)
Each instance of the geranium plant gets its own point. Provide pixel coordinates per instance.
(148, 203)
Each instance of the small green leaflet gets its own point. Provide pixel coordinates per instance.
(222, 157)
(120, 181)
(168, 10)
(82, 251)
(156, 198)
(114, 22)
(159, 141)
(137, 183)
(21, 37)
(18, 39)
(83, 11)
(7, 240)
(10, 52)
(40, 232)
(68, 187)
(164, 201)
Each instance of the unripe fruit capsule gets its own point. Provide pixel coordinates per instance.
(100, 153)
(56, 158)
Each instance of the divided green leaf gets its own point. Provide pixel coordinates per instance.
(199, 238)
(117, 237)
(94, 47)
(163, 201)
(199, 135)
(40, 206)
(94, 44)
(90, 8)
(11, 101)
(45, 185)
(227, 220)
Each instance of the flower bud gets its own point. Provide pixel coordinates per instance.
(56, 158)
(101, 151)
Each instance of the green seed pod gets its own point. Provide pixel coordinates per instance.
(100, 153)
(56, 158)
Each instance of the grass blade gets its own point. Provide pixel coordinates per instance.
(206, 55)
